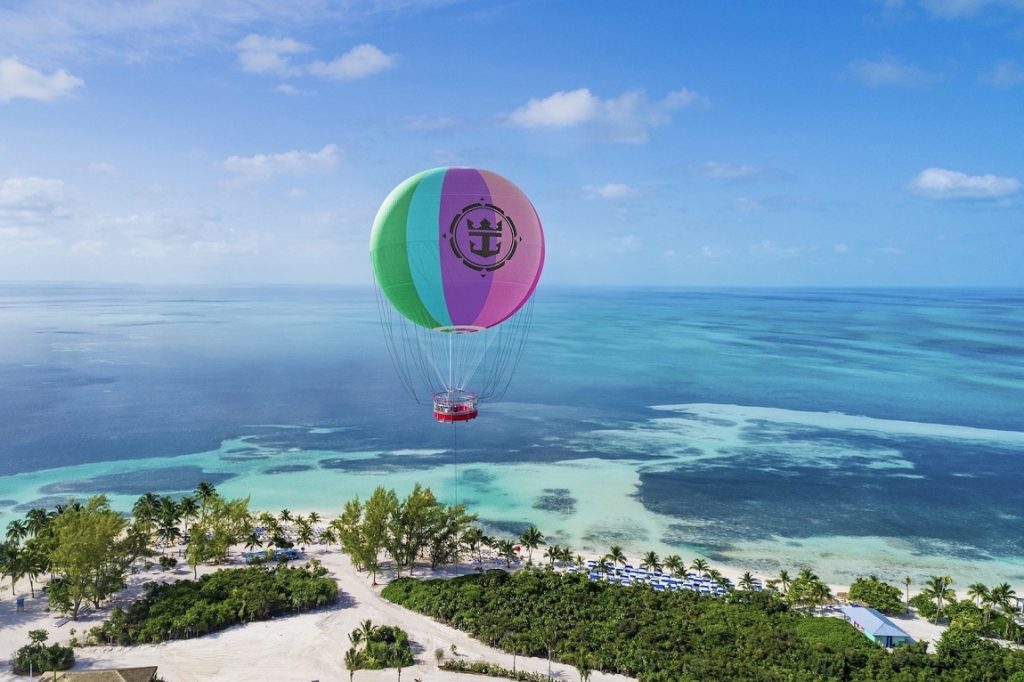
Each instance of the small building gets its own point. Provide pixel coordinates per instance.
(875, 626)
(120, 675)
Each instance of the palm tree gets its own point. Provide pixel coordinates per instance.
(11, 562)
(353, 662)
(615, 556)
(700, 565)
(188, 509)
(17, 531)
(507, 551)
(37, 520)
(978, 592)
(552, 553)
(651, 562)
(314, 518)
(367, 629)
(820, 593)
(405, 660)
(355, 638)
(253, 541)
(549, 638)
(784, 580)
(937, 588)
(531, 539)
(285, 515)
(582, 663)
(746, 581)
(807, 575)
(717, 577)
(674, 564)
(473, 539)
(328, 536)
(35, 562)
(168, 532)
(304, 535)
(205, 492)
(1001, 596)
(907, 581)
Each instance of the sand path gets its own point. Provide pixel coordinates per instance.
(301, 648)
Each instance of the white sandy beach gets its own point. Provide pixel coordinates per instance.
(305, 647)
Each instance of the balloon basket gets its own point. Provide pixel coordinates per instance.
(455, 406)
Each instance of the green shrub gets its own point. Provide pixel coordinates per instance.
(191, 608)
(492, 670)
(38, 657)
(833, 634)
(878, 595)
(383, 646)
(680, 636)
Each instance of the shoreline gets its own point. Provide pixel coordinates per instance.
(306, 646)
(309, 645)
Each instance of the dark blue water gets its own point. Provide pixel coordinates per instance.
(101, 373)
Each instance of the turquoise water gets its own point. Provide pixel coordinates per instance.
(853, 431)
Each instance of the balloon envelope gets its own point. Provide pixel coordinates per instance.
(457, 247)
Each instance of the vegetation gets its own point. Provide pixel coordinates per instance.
(377, 647)
(36, 657)
(681, 636)
(216, 601)
(403, 529)
(89, 556)
(491, 669)
(219, 524)
(807, 590)
(877, 594)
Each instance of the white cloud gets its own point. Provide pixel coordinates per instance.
(291, 90)
(841, 248)
(941, 183)
(19, 80)
(102, 168)
(31, 201)
(890, 72)
(146, 29)
(949, 9)
(769, 249)
(611, 190)
(628, 243)
(957, 9)
(265, 166)
(1005, 74)
(260, 54)
(713, 252)
(430, 123)
(560, 110)
(626, 117)
(721, 170)
(359, 62)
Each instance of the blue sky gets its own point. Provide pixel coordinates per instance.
(687, 143)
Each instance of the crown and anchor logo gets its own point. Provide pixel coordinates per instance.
(490, 238)
(486, 232)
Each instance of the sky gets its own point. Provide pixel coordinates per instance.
(855, 143)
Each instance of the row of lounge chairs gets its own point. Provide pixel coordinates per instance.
(661, 582)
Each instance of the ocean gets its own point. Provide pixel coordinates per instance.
(874, 431)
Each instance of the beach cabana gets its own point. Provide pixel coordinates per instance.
(875, 626)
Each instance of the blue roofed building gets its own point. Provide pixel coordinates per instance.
(875, 626)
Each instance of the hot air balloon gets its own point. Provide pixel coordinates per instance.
(457, 254)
